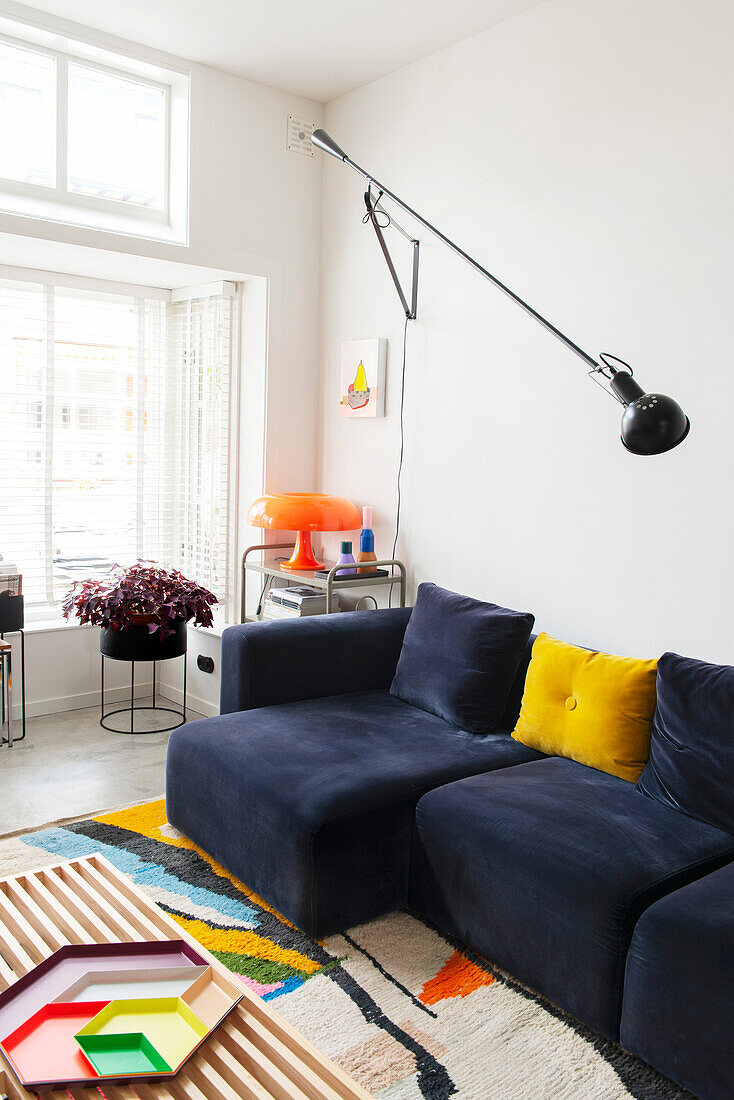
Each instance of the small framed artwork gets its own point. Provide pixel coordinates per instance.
(362, 392)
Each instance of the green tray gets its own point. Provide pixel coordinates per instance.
(113, 1055)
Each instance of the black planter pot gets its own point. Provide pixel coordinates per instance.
(136, 643)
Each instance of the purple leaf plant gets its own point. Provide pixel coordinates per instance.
(141, 594)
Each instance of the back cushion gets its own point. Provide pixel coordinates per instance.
(460, 658)
(591, 707)
(691, 765)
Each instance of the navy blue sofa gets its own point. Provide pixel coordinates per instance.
(305, 786)
(546, 868)
(338, 802)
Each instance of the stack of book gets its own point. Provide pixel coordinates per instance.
(292, 603)
(11, 582)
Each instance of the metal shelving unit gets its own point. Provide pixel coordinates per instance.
(271, 568)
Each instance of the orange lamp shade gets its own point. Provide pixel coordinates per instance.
(304, 513)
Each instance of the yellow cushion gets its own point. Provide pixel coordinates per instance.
(591, 707)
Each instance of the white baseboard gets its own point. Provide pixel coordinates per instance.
(193, 702)
(37, 707)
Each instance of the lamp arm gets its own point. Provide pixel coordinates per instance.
(651, 423)
(590, 362)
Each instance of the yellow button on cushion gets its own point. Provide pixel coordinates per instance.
(587, 706)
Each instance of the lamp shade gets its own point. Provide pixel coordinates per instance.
(304, 513)
(651, 422)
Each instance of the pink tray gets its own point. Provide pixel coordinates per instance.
(50, 978)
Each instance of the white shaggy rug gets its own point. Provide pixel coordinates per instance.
(406, 1011)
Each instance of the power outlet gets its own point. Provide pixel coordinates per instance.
(205, 664)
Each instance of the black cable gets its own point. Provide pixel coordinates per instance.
(259, 602)
(262, 597)
(402, 447)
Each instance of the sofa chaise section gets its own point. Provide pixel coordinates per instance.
(309, 797)
(545, 869)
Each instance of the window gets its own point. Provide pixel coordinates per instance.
(114, 416)
(116, 138)
(92, 137)
(27, 116)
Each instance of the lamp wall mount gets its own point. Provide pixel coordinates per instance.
(373, 210)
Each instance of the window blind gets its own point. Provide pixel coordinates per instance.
(114, 421)
(193, 451)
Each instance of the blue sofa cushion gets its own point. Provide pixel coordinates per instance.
(311, 803)
(691, 761)
(460, 658)
(677, 1009)
(545, 868)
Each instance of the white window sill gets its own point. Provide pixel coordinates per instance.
(47, 626)
(214, 631)
(122, 224)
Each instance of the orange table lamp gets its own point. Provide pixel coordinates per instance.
(304, 513)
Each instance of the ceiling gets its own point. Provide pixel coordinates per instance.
(320, 48)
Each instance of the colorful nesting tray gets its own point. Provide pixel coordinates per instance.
(132, 1053)
(115, 985)
(167, 1022)
(112, 1012)
(45, 1044)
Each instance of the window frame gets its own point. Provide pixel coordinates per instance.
(49, 611)
(60, 191)
(45, 35)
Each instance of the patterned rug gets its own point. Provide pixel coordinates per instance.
(400, 1006)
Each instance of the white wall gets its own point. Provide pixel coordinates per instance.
(63, 673)
(254, 210)
(583, 152)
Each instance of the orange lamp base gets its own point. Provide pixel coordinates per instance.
(303, 555)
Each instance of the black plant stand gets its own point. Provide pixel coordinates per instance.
(12, 622)
(134, 644)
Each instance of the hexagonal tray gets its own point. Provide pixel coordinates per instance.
(116, 985)
(59, 971)
(133, 1054)
(131, 1032)
(44, 1047)
(167, 1022)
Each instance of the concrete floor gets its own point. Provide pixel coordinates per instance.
(68, 766)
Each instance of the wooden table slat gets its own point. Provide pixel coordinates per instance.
(233, 1047)
(98, 902)
(245, 1027)
(12, 951)
(216, 1088)
(75, 907)
(23, 929)
(109, 892)
(63, 920)
(35, 915)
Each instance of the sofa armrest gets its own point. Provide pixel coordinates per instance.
(310, 658)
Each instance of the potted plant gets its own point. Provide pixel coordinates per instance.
(142, 610)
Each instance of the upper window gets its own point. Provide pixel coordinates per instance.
(116, 138)
(93, 143)
(27, 116)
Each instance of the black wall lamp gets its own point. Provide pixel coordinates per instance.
(651, 423)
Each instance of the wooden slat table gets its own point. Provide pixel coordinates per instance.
(253, 1054)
